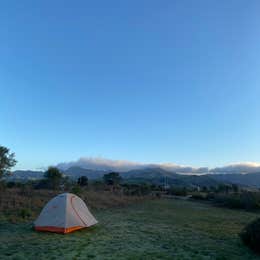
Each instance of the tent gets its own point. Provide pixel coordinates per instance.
(63, 214)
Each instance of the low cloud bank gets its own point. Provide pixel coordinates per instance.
(124, 165)
(102, 164)
(246, 167)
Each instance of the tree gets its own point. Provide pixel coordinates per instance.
(224, 188)
(54, 177)
(112, 178)
(204, 189)
(250, 235)
(7, 161)
(83, 181)
(235, 187)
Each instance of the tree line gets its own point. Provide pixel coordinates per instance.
(53, 177)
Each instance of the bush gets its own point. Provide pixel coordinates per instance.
(25, 213)
(245, 200)
(145, 189)
(141, 189)
(199, 196)
(98, 185)
(250, 235)
(177, 191)
(2, 185)
(10, 184)
(210, 196)
(26, 189)
(83, 181)
(42, 184)
(158, 194)
(112, 178)
(76, 190)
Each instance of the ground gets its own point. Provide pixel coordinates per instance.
(156, 229)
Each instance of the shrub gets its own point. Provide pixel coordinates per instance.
(97, 185)
(83, 181)
(112, 178)
(141, 189)
(42, 184)
(10, 184)
(198, 196)
(250, 235)
(178, 191)
(210, 196)
(230, 201)
(76, 190)
(245, 200)
(158, 194)
(25, 213)
(145, 189)
(26, 189)
(2, 185)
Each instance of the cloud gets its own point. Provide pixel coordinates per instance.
(242, 167)
(99, 163)
(124, 165)
(102, 164)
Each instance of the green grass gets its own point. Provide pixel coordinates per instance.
(159, 229)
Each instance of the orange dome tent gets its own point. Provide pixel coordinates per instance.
(63, 214)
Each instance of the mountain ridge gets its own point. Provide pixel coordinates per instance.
(153, 175)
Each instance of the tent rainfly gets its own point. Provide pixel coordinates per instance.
(63, 214)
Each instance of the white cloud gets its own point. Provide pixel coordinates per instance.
(124, 165)
(102, 164)
(240, 167)
(98, 163)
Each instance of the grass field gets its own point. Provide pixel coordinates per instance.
(156, 229)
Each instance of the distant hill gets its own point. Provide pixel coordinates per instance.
(160, 176)
(157, 176)
(21, 175)
(152, 175)
(148, 173)
(72, 172)
(249, 179)
(76, 172)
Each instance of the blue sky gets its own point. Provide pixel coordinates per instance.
(146, 81)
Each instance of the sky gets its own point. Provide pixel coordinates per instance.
(142, 81)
